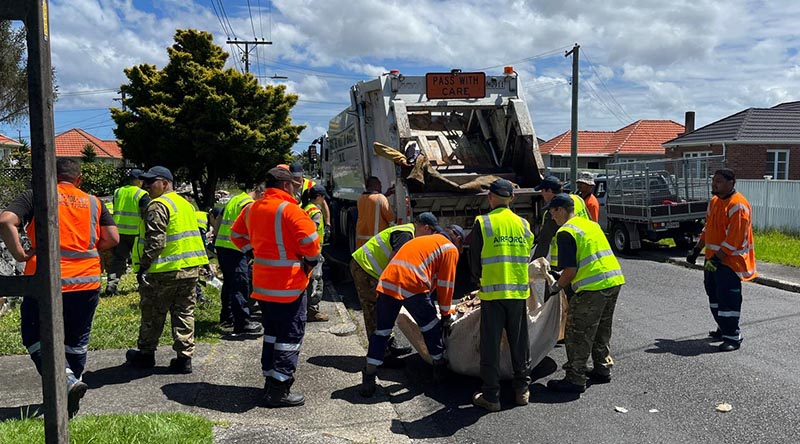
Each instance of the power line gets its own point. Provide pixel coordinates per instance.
(537, 56)
(320, 72)
(591, 65)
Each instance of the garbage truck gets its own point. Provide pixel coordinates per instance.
(438, 138)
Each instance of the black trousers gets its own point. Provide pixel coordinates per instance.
(510, 315)
(724, 290)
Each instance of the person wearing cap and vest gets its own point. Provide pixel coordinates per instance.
(730, 257)
(500, 250)
(594, 274)
(311, 202)
(286, 248)
(169, 254)
(545, 238)
(235, 266)
(374, 212)
(422, 266)
(130, 203)
(302, 184)
(85, 228)
(585, 184)
(369, 261)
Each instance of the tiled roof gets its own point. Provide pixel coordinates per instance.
(4, 140)
(71, 143)
(780, 123)
(640, 137)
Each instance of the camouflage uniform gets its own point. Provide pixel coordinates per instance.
(588, 333)
(367, 294)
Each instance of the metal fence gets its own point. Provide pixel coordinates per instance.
(775, 203)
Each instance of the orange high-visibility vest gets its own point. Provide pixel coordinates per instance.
(729, 228)
(280, 234)
(79, 231)
(421, 265)
(374, 216)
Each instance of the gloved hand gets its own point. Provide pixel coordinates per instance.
(308, 266)
(556, 274)
(327, 236)
(550, 291)
(692, 257)
(712, 264)
(141, 278)
(447, 322)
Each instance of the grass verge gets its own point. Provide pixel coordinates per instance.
(778, 247)
(155, 428)
(116, 321)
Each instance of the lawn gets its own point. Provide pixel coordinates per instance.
(116, 322)
(778, 247)
(155, 428)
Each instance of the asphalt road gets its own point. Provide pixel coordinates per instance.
(664, 362)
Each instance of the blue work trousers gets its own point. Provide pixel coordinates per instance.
(284, 328)
(235, 286)
(724, 290)
(78, 312)
(421, 308)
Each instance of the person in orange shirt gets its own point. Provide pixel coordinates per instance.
(421, 266)
(374, 212)
(85, 228)
(585, 184)
(286, 247)
(729, 257)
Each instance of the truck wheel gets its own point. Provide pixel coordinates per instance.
(351, 235)
(620, 239)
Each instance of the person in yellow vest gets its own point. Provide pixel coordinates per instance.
(85, 228)
(311, 203)
(594, 274)
(500, 250)
(374, 212)
(130, 203)
(302, 184)
(545, 238)
(235, 267)
(371, 259)
(169, 255)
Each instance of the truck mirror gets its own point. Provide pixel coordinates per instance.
(313, 157)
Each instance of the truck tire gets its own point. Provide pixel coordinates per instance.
(620, 239)
(351, 234)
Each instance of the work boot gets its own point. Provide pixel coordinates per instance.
(564, 386)
(368, 384)
(250, 328)
(729, 346)
(317, 317)
(76, 389)
(715, 334)
(278, 394)
(395, 349)
(139, 359)
(181, 365)
(439, 370)
(598, 377)
(522, 396)
(479, 400)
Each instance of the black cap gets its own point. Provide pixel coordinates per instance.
(317, 190)
(135, 173)
(549, 183)
(297, 169)
(278, 174)
(562, 200)
(457, 230)
(157, 171)
(427, 218)
(502, 188)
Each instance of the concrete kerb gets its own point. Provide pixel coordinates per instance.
(769, 282)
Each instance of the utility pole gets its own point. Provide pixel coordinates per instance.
(573, 162)
(246, 53)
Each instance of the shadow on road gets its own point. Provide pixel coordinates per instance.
(347, 364)
(685, 347)
(21, 412)
(120, 374)
(220, 398)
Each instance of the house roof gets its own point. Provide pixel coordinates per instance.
(779, 124)
(5, 140)
(71, 143)
(640, 137)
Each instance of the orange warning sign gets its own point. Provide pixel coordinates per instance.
(458, 85)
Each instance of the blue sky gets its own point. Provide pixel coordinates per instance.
(645, 59)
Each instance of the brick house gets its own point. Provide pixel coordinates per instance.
(757, 142)
(641, 140)
(71, 144)
(7, 146)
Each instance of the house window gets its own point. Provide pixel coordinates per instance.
(559, 162)
(778, 164)
(691, 154)
(696, 169)
(593, 165)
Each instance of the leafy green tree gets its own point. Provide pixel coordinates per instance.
(100, 178)
(202, 121)
(88, 154)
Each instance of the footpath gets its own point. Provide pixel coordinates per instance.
(772, 275)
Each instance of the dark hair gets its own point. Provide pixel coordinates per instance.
(67, 170)
(305, 198)
(727, 173)
(373, 182)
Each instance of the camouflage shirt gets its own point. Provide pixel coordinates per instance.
(155, 239)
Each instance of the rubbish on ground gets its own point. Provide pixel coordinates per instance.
(724, 407)
(620, 409)
(653, 410)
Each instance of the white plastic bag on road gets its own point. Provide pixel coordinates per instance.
(463, 343)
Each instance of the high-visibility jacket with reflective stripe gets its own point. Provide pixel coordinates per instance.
(202, 220)
(581, 211)
(729, 228)
(373, 256)
(184, 248)
(232, 210)
(109, 206)
(313, 210)
(598, 268)
(127, 215)
(507, 244)
(280, 234)
(421, 265)
(374, 216)
(79, 231)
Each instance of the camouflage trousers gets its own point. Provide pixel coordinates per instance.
(314, 289)
(366, 286)
(163, 295)
(588, 333)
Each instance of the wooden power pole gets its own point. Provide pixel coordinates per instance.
(573, 162)
(246, 53)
